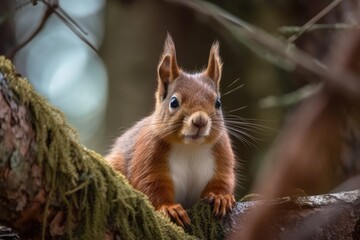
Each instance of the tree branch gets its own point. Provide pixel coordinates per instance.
(51, 186)
(329, 216)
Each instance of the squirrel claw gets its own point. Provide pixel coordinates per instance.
(222, 203)
(209, 198)
(177, 214)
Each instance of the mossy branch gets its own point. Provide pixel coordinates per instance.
(52, 186)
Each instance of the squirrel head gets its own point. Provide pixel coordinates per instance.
(188, 106)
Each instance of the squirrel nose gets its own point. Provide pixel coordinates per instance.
(199, 122)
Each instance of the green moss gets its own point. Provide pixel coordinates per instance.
(79, 182)
(203, 223)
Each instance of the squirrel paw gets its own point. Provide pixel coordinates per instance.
(176, 213)
(222, 203)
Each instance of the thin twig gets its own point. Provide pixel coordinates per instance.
(11, 53)
(64, 17)
(336, 26)
(313, 20)
(70, 19)
(289, 99)
(71, 24)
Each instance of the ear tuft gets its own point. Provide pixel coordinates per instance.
(214, 67)
(169, 46)
(168, 69)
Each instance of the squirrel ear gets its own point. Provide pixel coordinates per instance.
(168, 69)
(214, 67)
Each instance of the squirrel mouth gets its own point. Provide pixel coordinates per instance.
(194, 136)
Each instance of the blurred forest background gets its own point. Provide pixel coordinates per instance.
(106, 92)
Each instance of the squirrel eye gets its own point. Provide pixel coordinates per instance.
(217, 103)
(174, 103)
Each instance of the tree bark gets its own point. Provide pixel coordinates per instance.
(329, 216)
(20, 175)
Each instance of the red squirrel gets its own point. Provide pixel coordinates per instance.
(181, 152)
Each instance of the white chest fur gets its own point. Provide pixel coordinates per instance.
(191, 168)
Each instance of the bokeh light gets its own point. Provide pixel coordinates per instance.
(62, 67)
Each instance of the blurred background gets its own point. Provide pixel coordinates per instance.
(105, 91)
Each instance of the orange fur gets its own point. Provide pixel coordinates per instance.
(143, 152)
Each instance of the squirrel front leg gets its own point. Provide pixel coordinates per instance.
(223, 202)
(150, 174)
(160, 191)
(219, 190)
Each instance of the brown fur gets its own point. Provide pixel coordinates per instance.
(142, 152)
